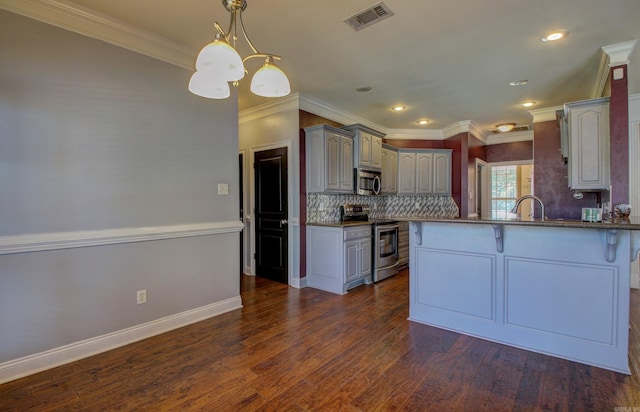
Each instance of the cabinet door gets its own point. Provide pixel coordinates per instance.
(424, 179)
(406, 172)
(346, 165)
(376, 152)
(315, 150)
(365, 258)
(442, 173)
(393, 170)
(365, 149)
(351, 260)
(332, 171)
(589, 159)
(386, 172)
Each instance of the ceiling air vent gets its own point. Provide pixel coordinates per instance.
(515, 129)
(368, 16)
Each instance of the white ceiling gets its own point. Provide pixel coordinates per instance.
(447, 61)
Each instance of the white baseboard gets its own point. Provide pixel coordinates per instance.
(38, 362)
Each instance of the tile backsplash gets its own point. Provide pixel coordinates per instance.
(326, 208)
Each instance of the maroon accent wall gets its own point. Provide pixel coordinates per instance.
(415, 144)
(619, 127)
(510, 152)
(459, 170)
(550, 182)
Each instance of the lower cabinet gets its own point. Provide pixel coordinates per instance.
(403, 245)
(338, 258)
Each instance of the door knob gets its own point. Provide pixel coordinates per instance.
(283, 222)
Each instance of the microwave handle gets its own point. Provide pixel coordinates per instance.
(377, 185)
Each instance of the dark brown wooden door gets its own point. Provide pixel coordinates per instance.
(271, 214)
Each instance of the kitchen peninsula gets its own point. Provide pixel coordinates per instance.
(555, 287)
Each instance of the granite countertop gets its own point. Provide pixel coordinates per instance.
(632, 223)
(338, 223)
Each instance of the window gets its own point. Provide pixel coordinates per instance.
(504, 190)
(508, 183)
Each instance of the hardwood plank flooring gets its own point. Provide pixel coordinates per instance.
(309, 350)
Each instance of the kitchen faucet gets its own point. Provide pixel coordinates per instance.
(525, 197)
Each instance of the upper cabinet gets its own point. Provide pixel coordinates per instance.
(329, 159)
(389, 176)
(367, 147)
(586, 142)
(424, 171)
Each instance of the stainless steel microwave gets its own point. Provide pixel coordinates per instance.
(367, 182)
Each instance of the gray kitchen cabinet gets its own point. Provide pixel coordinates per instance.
(329, 159)
(338, 258)
(588, 144)
(367, 148)
(424, 171)
(389, 176)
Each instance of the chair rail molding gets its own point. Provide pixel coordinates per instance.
(67, 240)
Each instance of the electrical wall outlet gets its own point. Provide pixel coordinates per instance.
(223, 189)
(141, 296)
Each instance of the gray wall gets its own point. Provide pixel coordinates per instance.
(94, 137)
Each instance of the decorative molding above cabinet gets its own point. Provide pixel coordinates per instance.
(367, 147)
(584, 127)
(329, 159)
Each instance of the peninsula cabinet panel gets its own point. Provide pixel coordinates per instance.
(329, 159)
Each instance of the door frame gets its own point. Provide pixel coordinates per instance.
(252, 204)
(246, 268)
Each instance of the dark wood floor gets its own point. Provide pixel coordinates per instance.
(299, 350)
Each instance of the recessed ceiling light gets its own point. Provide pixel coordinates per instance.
(422, 122)
(519, 82)
(556, 35)
(363, 89)
(527, 104)
(505, 127)
(398, 108)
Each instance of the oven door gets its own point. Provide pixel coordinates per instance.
(386, 245)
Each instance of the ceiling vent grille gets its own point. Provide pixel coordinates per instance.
(515, 129)
(368, 16)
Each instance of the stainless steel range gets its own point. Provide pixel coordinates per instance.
(385, 254)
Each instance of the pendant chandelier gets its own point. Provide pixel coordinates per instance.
(218, 63)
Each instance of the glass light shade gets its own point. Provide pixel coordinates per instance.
(219, 57)
(206, 84)
(270, 81)
(506, 127)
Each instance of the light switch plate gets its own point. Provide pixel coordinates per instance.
(223, 189)
(618, 73)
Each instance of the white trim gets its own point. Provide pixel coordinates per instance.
(88, 22)
(415, 134)
(38, 362)
(65, 240)
(620, 53)
(545, 115)
(521, 136)
(270, 108)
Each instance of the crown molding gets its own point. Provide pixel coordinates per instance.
(414, 134)
(511, 137)
(272, 107)
(85, 21)
(320, 108)
(620, 53)
(545, 115)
